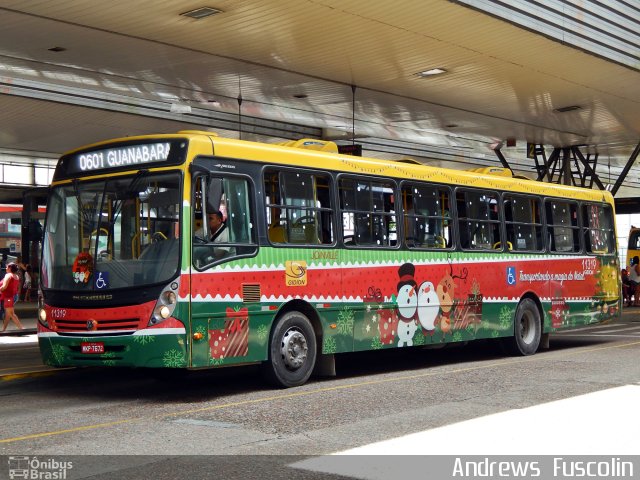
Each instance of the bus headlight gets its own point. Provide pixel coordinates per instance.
(42, 316)
(166, 303)
(165, 312)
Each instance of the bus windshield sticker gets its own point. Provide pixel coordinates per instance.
(102, 280)
(82, 267)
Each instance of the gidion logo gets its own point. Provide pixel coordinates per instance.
(295, 273)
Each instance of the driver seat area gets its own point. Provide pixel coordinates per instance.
(277, 234)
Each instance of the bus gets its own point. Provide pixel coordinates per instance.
(323, 254)
(633, 246)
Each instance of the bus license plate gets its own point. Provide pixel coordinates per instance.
(92, 347)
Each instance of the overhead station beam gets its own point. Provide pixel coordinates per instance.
(568, 166)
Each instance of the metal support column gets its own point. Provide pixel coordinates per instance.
(625, 170)
(503, 160)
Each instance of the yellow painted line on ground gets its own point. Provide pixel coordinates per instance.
(553, 356)
(7, 377)
(21, 366)
(70, 430)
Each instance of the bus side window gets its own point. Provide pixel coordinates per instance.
(523, 223)
(426, 216)
(298, 207)
(368, 212)
(598, 228)
(562, 225)
(229, 198)
(478, 220)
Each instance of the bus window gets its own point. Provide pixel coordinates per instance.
(298, 208)
(478, 220)
(426, 216)
(368, 213)
(562, 226)
(223, 225)
(523, 222)
(597, 221)
(119, 229)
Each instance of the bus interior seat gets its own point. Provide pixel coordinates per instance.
(277, 234)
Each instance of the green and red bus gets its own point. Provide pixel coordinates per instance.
(323, 254)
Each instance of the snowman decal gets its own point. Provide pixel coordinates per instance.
(428, 307)
(407, 305)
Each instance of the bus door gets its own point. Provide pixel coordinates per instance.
(223, 233)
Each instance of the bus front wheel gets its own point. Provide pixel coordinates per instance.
(292, 351)
(527, 329)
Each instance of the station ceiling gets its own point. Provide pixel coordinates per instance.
(73, 72)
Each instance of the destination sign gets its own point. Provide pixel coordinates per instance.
(128, 156)
(122, 156)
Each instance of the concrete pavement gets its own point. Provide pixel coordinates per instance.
(27, 313)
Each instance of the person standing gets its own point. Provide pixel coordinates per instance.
(25, 295)
(22, 268)
(3, 267)
(8, 291)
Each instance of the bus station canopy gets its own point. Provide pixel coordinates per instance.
(462, 83)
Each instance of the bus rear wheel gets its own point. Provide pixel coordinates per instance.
(527, 329)
(292, 351)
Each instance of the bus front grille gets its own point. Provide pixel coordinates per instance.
(68, 325)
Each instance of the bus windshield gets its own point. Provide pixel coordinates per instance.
(112, 233)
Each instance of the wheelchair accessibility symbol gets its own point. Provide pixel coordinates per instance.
(511, 275)
(102, 280)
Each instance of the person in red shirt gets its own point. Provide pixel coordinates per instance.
(8, 292)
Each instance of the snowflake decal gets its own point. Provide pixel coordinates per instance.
(215, 362)
(418, 338)
(201, 330)
(376, 344)
(144, 339)
(58, 354)
(108, 359)
(329, 345)
(345, 321)
(457, 337)
(494, 334)
(173, 358)
(505, 316)
(262, 332)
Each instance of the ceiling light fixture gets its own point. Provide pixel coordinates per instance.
(201, 12)
(300, 95)
(569, 108)
(57, 49)
(431, 72)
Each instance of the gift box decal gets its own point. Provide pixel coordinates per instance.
(233, 339)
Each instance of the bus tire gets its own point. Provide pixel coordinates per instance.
(527, 329)
(292, 351)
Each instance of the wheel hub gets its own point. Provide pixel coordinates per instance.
(294, 349)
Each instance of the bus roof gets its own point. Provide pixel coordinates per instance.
(313, 153)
